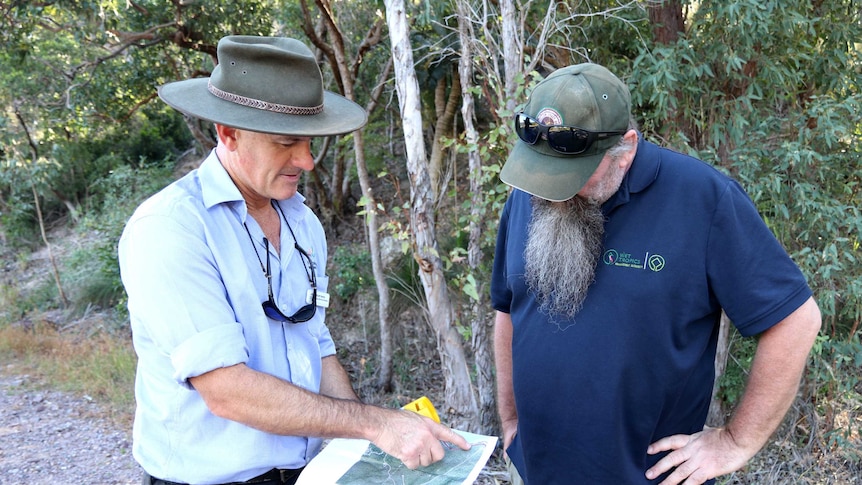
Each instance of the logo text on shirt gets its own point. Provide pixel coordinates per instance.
(652, 262)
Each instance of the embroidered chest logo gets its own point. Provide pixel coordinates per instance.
(651, 262)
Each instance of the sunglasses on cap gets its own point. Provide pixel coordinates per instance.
(569, 140)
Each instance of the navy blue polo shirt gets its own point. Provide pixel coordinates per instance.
(682, 241)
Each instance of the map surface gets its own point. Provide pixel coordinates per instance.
(359, 462)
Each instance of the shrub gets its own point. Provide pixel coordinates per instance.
(351, 270)
(94, 269)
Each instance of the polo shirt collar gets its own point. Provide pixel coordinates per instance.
(643, 172)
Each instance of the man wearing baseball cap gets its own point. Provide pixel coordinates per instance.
(237, 378)
(615, 258)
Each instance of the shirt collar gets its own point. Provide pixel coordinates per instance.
(218, 188)
(642, 173)
(216, 185)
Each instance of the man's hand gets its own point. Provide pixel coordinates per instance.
(510, 428)
(414, 439)
(698, 457)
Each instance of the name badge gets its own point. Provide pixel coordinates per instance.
(322, 298)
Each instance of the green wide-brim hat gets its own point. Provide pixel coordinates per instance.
(267, 85)
(587, 96)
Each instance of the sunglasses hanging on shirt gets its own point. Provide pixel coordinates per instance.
(270, 308)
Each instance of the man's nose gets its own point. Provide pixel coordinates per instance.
(304, 159)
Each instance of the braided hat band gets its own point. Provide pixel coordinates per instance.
(264, 105)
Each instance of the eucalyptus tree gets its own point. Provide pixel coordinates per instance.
(459, 394)
(346, 54)
(480, 324)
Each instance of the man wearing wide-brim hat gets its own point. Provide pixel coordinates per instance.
(237, 377)
(615, 259)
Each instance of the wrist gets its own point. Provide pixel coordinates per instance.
(372, 422)
(741, 440)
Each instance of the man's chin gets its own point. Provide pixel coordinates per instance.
(285, 190)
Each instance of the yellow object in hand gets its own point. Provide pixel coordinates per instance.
(424, 407)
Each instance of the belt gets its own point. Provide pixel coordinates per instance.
(276, 476)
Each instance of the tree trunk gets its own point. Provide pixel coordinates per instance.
(667, 21)
(346, 74)
(512, 51)
(201, 133)
(716, 416)
(34, 148)
(461, 401)
(446, 109)
(480, 324)
(384, 380)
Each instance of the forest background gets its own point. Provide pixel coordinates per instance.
(767, 91)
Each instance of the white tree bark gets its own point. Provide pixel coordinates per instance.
(480, 318)
(716, 416)
(513, 53)
(461, 400)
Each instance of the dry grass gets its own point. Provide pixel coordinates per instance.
(94, 363)
(801, 452)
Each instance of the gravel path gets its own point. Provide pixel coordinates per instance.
(50, 437)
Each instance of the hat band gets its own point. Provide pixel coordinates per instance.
(264, 105)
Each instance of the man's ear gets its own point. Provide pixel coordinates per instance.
(227, 136)
(631, 139)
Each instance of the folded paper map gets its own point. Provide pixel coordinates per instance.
(359, 462)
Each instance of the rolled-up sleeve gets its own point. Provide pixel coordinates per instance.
(207, 350)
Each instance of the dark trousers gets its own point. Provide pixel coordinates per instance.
(272, 477)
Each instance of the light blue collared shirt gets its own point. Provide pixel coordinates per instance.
(195, 288)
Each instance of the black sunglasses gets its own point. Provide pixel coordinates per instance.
(271, 310)
(305, 313)
(569, 140)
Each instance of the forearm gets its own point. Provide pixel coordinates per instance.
(503, 362)
(334, 381)
(776, 371)
(275, 406)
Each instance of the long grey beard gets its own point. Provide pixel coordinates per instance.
(564, 242)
